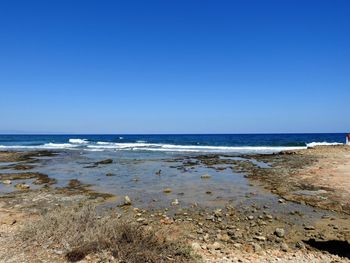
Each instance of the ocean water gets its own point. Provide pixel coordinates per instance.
(229, 143)
(137, 158)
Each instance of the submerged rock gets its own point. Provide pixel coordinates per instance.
(107, 161)
(206, 176)
(22, 186)
(6, 182)
(167, 190)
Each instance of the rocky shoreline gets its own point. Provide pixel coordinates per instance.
(247, 233)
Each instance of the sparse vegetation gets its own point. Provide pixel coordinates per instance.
(80, 231)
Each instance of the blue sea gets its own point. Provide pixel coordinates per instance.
(137, 158)
(228, 143)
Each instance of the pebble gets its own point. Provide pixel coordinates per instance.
(309, 228)
(284, 247)
(300, 245)
(280, 232)
(215, 246)
(196, 246)
(260, 238)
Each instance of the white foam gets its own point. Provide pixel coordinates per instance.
(143, 146)
(78, 141)
(313, 144)
(189, 148)
(103, 143)
(44, 146)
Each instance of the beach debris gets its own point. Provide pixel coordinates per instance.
(22, 186)
(107, 161)
(167, 190)
(110, 174)
(280, 232)
(127, 200)
(206, 176)
(6, 182)
(159, 172)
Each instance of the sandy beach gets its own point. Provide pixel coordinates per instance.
(308, 221)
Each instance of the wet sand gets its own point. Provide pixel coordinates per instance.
(296, 202)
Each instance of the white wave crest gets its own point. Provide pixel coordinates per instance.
(189, 148)
(78, 141)
(43, 146)
(313, 144)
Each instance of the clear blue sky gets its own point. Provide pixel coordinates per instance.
(174, 66)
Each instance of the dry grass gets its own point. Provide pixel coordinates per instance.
(81, 231)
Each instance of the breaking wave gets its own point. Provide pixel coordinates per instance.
(78, 141)
(43, 146)
(83, 144)
(313, 144)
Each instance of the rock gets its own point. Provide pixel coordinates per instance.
(260, 238)
(141, 219)
(175, 202)
(205, 176)
(225, 238)
(215, 246)
(218, 212)
(22, 186)
(269, 216)
(300, 245)
(110, 174)
(6, 182)
(195, 246)
(237, 245)
(250, 217)
(127, 200)
(107, 161)
(282, 201)
(7, 220)
(167, 190)
(309, 228)
(280, 232)
(256, 247)
(284, 247)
